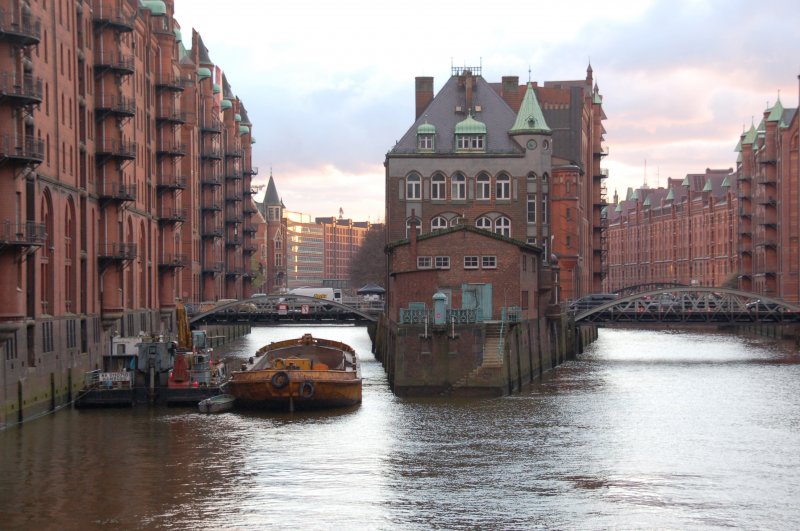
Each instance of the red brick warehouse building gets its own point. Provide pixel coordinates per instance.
(125, 174)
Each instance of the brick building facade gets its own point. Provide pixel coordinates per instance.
(125, 171)
(519, 161)
(736, 227)
(685, 233)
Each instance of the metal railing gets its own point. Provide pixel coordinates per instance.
(26, 28)
(26, 148)
(25, 233)
(116, 251)
(28, 87)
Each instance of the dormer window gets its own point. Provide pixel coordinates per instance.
(425, 137)
(470, 135)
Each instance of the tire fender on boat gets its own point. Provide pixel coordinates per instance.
(307, 390)
(280, 379)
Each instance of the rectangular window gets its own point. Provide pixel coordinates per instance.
(524, 300)
(425, 142)
(442, 262)
(424, 262)
(470, 262)
(438, 189)
(544, 209)
(531, 208)
(502, 188)
(483, 189)
(413, 189)
(488, 262)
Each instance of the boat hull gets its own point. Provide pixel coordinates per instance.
(265, 389)
(216, 404)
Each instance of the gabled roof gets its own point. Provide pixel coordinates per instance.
(448, 108)
(776, 113)
(530, 118)
(205, 59)
(468, 228)
(227, 93)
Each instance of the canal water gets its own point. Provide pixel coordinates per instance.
(647, 429)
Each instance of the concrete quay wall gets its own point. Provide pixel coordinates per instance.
(56, 378)
(455, 361)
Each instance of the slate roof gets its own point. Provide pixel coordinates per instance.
(441, 113)
(271, 197)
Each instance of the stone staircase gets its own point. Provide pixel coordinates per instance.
(492, 358)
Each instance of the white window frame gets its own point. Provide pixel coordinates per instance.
(502, 187)
(413, 187)
(470, 142)
(531, 209)
(489, 262)
(458, 187)
(484, 223)
(438, 187)
(471, 262)
(483, 187)
(502, 226)
(425, 142)
(438, 223)
(424, 262)
(442, 262)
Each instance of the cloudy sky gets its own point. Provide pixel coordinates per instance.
(329, 86)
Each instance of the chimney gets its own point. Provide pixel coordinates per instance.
(424, 93)
(510, 90)
(468, 83)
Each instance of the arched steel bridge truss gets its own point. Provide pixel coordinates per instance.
(649, 286)
(692, 305)
(281, 308)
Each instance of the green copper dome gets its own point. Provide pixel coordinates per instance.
(217, 89)
(225, 105)
(203, 73)
(671, 195)
(708, 187)
(237, 117)
(243, 129)
(156, 7)
(470, 126)
(426, 129)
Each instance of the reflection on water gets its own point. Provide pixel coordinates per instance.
(646, 429)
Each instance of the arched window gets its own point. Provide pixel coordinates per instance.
(455, 221)
(484, 187)
(483, 223)
(438, 223)
(502, 226)
(438, 187)
(502, 187)
(458, 187)
(544, 177)
(413, 224)
(413, 187)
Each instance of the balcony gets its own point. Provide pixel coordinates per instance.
(233, 175)
(233, 241)
(171, 116)
(117, 105)
(211, 180)
(234, 153)
(250, 248)
(234, 272)
(25, 234)
(211, 126)
(118, 149)
(111, 17)
(249, 209)
(119, 63)
(768, 201)
(212, 231)
(173, 261)
(211, 152)
(233, 196)
(171, 149)
(21, 150)
(24, 30)
(26, 90)
(213, 268)
(171, 182)
(117, 192)
(251, 171)
(234, 219)
(171, 82)
(211, 206)
(116, 252)
(172, 215)
(766, 179)
(250, 229)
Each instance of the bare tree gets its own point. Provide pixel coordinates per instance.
(369, 264)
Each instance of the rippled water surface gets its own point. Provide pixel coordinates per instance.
(646, 429)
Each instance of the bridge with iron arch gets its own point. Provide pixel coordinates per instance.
(287, 308)
(691, 305)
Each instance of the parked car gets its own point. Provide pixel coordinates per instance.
(592, 301)
(762, 306)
